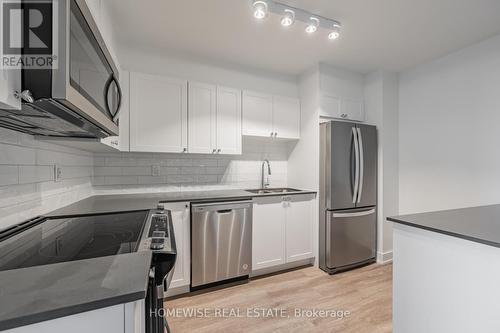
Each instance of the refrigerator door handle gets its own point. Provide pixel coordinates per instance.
(356, 214)
(361, 164)
(356, 170)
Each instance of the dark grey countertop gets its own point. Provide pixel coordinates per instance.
(477, 224)
(111, 203)
(41, 293)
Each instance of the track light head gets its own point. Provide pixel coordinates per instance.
(313, 25)
(288, 18)
(335, 33)
(260, 9)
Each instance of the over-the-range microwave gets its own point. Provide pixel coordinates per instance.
(81, 96)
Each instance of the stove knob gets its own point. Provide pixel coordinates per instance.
(160, 207)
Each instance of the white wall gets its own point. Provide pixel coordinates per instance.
(27, 187)
(381, 104)
(449, 131)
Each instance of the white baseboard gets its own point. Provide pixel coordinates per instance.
(384, 257)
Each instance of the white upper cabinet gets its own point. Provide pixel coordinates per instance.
(352, 109)
(271, 116)
(257, 114)
(341, 94)
(228, 121)
(214, 115)
(329, 106)
(158, 114)
(343, 108)
(10, 82)
(202, 118)
(286, 117)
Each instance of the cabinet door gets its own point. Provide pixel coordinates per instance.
(268, 233)
(158, 114)
(299, 228)
(257, 114)
(352, 109)
(286, 117)
(181, 219)
(329, 106)
(202, 119)
(10, 82)
(228, 121)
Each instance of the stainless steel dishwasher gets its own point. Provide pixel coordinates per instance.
(221, 242)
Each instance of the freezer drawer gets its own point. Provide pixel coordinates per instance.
(351, 237)
(221, 241)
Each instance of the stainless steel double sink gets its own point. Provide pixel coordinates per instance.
(273, 190)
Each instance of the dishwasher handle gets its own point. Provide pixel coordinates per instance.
(221, 207)
(224, 211)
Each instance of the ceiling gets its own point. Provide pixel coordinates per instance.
(376, 34)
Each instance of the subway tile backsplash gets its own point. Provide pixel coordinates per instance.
(28, 188)
(133, 171)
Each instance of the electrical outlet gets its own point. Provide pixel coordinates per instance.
(155, 170)
(57, 173)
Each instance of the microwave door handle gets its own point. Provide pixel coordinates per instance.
(106, 91)
(119, 105)
(113, 115)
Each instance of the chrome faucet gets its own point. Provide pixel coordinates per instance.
(265, 184)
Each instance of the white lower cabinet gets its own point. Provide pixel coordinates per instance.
(268, 233)
(122, 318)
(282, 230)
(299, 228)
(181, 219)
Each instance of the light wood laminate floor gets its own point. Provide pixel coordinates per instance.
(365, 292)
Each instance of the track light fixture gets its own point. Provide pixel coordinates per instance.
(313, 25)
(288, 18)
(335, 33)
(290, 15)
(260, 9)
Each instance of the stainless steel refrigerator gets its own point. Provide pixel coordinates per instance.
(348, 195)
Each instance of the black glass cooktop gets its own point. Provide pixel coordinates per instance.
(74, 238)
